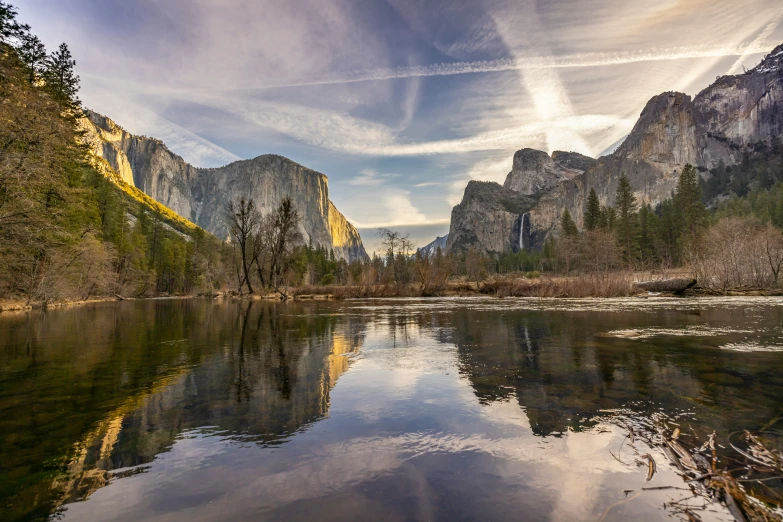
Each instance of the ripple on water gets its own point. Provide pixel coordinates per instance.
(689, 331)
(752, 347)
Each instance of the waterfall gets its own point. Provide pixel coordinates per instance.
(524, 221)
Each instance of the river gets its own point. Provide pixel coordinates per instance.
(418, 409)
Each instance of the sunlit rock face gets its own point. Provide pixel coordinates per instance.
(200, 195)
(718, 125)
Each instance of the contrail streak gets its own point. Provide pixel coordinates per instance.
(511, 64)
(484, 66)
(761, 37)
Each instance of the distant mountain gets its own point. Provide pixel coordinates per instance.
(200, 195)
(432, 248)
(717, 126)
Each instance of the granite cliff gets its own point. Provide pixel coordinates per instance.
(490, 218)
(535, 171)
(200, 194)
(716, 126)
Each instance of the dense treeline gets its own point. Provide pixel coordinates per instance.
(66, 232)
(737, 244)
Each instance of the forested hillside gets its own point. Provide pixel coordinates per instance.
(66, 231)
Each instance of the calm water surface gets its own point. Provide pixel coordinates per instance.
(391, 410)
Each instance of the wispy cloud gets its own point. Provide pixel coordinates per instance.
(371, 178)
(400, 209)
(759, 42)
(597, 59)
(438, 91)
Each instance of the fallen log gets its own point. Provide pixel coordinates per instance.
(666, 285)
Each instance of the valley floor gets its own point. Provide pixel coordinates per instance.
(610, 285)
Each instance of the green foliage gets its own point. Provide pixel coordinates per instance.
(567, 225)
(10, 28)
(521, 261)
(66, 231)
(322, 267)
(593, 211)
(761, 168)
(690, 210)
(606, 218)
(33, 54)
(764, 204)
(626, 220)
(59, 76)
(648, 225)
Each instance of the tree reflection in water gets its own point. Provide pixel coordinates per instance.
(93, 394)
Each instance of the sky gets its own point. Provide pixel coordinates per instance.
(399, 102)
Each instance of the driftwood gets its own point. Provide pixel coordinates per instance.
(666, 285)
(746, 481)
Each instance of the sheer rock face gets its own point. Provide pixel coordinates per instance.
(717, 125)
(488, 219)
(200, 195)
(534, 171)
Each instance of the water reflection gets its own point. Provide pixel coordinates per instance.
(444, 410)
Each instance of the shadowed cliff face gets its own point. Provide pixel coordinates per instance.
(717, 125)
(489, 218)
(200, 195)
(535, 171)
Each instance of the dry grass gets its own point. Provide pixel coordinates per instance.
(451, 289)
(613, 284)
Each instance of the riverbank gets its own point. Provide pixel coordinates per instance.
(611, 285)
(19, 305)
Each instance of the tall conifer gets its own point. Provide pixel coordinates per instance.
(593, 211)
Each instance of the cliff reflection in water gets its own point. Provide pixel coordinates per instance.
(254, 371)
(96, 394)
(564, 368)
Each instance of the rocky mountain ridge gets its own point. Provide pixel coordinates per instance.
(431, 249)
(535, 171)
(716, 126)
(200, 194)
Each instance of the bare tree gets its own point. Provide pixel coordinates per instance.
(773, 246)
(390, 241)
(424, 269)
(243, 221)
(740, 252)
(475, 266)
(600, 253)
(277, 237)
(568, 252)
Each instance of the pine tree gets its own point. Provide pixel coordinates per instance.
(593, 211)
(568, 226)
(647, 226)
(607, 218)
(625, 202)
(690, 212)
(9, 28)
(60, 77)
(33, 54)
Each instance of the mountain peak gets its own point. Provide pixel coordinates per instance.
(773, 62)
(535, 171)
